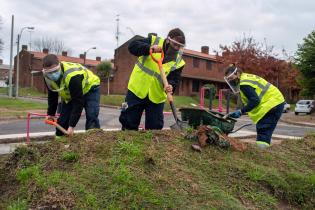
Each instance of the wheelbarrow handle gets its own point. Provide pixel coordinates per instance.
(163, 76)
(59, 127)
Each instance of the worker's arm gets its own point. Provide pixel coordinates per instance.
(251, 95)
(139, 47)
(77, 99)
(173, 78)
(52, 102)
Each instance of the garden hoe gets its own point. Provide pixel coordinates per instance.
(59, 127)
(179, 125)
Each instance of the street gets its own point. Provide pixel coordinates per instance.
(109, 119)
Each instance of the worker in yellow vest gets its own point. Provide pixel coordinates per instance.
(263, 102)
(78, 88)
(145, 87)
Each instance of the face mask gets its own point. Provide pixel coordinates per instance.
(54, 76)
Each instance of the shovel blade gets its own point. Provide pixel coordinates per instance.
(179, 125)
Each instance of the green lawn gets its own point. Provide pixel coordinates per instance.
(156, 170)
(25, 92)
(11, 107)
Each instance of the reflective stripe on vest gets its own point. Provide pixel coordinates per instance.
(263, 88)
(153, 73)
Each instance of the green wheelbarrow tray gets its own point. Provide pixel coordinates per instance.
(200, 116)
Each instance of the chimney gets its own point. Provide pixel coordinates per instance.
(64, 53)
(24, 47)
(81, 56)
(205, 49)
(45, 50)
(98, 58)
(1, 61)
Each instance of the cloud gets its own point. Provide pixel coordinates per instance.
(83, 24)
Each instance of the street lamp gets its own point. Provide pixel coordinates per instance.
(86, 53)
(130, 29)
(18, 59)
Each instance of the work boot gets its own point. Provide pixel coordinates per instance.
(262, 145)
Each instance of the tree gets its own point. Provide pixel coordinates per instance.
(104, 70)
(1, 42)
(305, 61)
(53, 45)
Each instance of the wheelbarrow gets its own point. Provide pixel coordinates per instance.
(200, 116)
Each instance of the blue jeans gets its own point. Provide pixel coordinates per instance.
(92, 109)
(130, 117)
(268, 123)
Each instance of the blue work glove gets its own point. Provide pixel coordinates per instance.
(236, 114)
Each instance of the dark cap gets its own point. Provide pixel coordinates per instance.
(50, 60)
(178, 35)
(230, 69)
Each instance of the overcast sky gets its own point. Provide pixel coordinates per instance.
(84, 24)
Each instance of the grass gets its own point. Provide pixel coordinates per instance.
(27, 91)
(11, 107)
(156, 170)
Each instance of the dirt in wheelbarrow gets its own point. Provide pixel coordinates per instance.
(156, 170)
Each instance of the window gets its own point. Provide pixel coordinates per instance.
(195, 62)
(195, 86)
(209, 65)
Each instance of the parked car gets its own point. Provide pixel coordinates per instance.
(286, 107)
(304, 106)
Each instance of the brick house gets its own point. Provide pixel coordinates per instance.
(4, 73)
(201, 68)
(31, 66)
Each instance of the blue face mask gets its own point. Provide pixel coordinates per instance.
(54, 76)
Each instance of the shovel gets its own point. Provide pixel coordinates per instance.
(179, 125)
(59, 127)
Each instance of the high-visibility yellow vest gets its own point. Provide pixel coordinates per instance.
(73, 69)
(145, 78)
(269, 95)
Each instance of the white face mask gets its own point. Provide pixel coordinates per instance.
(232, 82)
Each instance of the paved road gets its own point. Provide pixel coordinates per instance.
(109, 119)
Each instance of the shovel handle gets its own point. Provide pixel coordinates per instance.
(59, 127)
(162, 73)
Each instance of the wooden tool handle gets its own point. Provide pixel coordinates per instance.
(162, 73)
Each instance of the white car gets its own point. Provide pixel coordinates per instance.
(304, 106)
(286, 107)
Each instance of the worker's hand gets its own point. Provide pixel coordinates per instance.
(169, 89)
(156, 49)
(70, 131)
(236, 114)
(50, 118)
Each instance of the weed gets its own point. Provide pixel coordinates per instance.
(70, 156)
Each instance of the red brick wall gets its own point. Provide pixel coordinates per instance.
(123, 64)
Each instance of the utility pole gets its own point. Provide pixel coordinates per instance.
(11, 55)
(117, 31)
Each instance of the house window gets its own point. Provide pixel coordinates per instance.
(209, 65)
(195, 86)
(195, 62)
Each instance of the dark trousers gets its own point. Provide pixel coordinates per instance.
(92, 109)
(268, 123)
(130, 117)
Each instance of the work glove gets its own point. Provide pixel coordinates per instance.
(236, 114)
